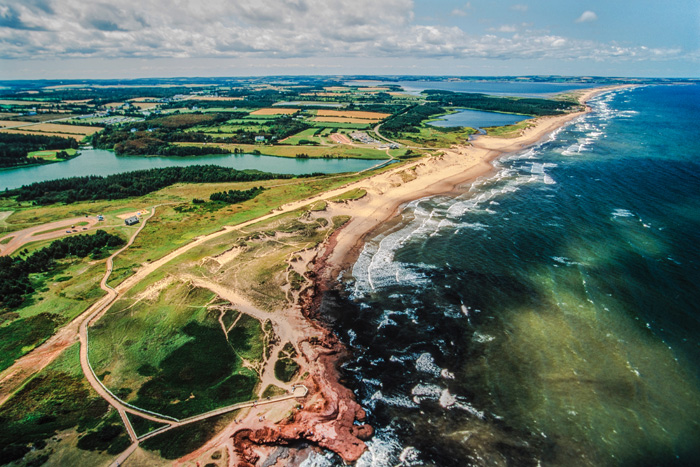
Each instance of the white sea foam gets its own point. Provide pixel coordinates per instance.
(565, 261)
(319, 459)
(619, 212)
(426, 363)
(395, 400)
(383, 450)
(423, 391)
(410, 456)
(482, 338)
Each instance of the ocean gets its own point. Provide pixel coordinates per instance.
(548, 314)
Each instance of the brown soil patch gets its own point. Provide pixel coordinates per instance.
(340, 138)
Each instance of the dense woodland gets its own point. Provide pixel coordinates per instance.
(124, 185)
(524, 106)
(15, 283)
(410, 120)
(14, 148)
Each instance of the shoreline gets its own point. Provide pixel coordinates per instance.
(432, 176)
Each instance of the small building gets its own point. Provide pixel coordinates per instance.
(131, 220)
(259, 139)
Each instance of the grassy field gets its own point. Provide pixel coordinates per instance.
(57, 414)
(61, 295)
(291, 151)
(435, 137)
(176, 225)
(509, 131)
(50, 155)
(307, 134)
(356, 193)
(163, 349)
(181, 441)
(336, 125)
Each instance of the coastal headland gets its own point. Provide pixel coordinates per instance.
(331, 418)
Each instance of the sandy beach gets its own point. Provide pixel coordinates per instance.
(440, 174)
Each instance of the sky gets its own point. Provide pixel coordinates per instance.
(64, 39)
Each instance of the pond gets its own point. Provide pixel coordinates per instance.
(101, 162)
(477, 119)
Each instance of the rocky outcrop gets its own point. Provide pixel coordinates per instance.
(329, 416)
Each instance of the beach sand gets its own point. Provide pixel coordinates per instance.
(440, 174)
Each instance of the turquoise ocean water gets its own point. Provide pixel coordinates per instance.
(548, 315)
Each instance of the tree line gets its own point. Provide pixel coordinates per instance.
(410, 119)
(236, 196)
(128, 184)
(14, 148)
(15, 284)
(525, 106)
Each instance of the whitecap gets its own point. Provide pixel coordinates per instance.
(426, 391)
(619, 212)
(426, 363)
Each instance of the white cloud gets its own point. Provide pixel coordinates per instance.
(464, 11)
(519, 7)
(587, 16)
(273, 29)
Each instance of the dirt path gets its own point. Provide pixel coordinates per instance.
(34, 234)
(12, 378)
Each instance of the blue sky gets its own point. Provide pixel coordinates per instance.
(151, 38)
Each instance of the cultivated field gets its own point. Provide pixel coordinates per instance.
(12, 123)
(19, 102)
(269, 111)
(343, 120)
(62, 129)
(213, 98)
(358, 114)
(145, 105)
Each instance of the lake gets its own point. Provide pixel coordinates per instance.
(477, 119)
(101, 162)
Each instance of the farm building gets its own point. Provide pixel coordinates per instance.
(131, 220)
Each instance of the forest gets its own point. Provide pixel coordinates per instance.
(409, 120)
(14, 148)
(128, 184)
(524, 106)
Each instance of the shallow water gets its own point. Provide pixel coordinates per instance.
(477, 119)
(549, 314)
(100, 162)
